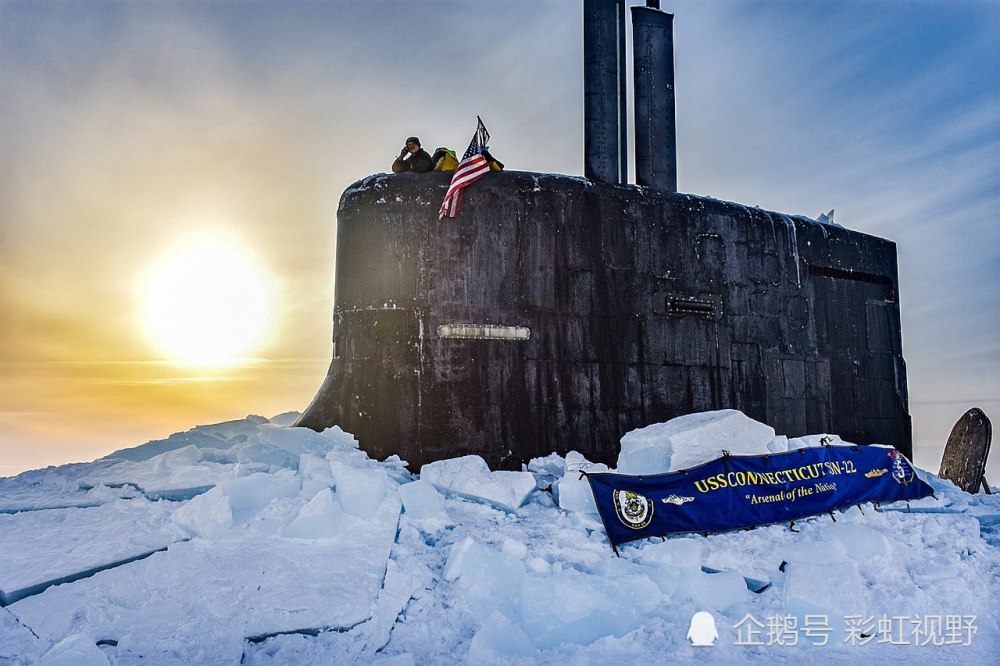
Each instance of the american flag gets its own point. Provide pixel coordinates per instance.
(472, 167)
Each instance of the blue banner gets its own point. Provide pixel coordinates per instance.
(735, 492)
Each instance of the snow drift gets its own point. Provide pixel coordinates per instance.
(257, 542)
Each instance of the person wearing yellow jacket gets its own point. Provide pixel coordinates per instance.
(444, 159)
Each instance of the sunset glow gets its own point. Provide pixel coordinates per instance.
(206, 302)
(125, 127)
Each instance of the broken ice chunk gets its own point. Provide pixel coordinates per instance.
(341, 438)
(499, 641)
(207, 516)
(646, 450)
(859, 542)
(822, 551)
(360, 491)
(692, 439)
(581, 608)
(574, 491)
(699, 438)
(319, 518)
(310, 487)
(551, 465)
(178, 459)
(641, 456)
(456, 555)
(471, 478)
(716, 591)
(680, 553)
(778, 445)
(488, 579)
(296, 441)
(316, 468)
(515, 548)
(75, 650)
(834, 590)
(250, 494)
(421, 500)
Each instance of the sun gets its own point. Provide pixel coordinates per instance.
(206, 301)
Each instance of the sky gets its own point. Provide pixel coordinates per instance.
(134, 133)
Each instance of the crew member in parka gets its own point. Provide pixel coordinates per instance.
(412, 158)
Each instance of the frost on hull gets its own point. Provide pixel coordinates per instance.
(588, 310)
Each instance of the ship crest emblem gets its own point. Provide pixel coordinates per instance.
(634, 510)
(902, 471)
(676, 499)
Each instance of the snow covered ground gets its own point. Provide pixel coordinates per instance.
(255, 542)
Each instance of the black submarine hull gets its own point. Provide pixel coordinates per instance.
(557, 314)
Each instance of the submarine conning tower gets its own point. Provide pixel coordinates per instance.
(557, 313)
